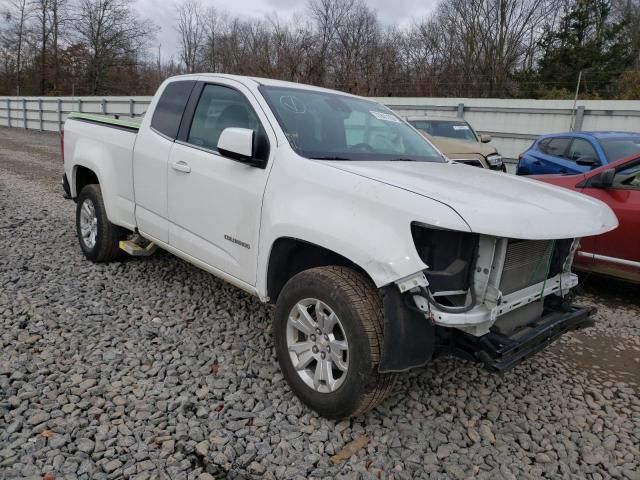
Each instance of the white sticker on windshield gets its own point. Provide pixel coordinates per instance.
(460, 127)
(386, 117)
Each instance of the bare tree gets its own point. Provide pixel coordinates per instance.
(191, 27)
(464, 48)
(355, 48)
(328, 16)
(59, 18)
(41, 8)
(292, 48)
(213, 25)
(474, 46)
(113, 35)
(16, 16)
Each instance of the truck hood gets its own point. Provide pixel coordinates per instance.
(493, 203)
(451, 147)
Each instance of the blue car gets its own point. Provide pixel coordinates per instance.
(576, 152)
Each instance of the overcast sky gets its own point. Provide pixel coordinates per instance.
(162, 13)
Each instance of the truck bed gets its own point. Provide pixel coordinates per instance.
(105, 145)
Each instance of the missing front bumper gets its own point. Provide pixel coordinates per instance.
(479, 320)
(499, 353)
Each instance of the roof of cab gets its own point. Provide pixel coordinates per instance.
(246, 80)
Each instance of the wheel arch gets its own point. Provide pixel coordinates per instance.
(83, 176)
(408, 338)
(289, 256)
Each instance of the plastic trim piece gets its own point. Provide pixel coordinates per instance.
(500, 353)
(604, 258)
(409, 337)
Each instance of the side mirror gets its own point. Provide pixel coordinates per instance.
(485, 138)
(588, 162)
(236, 143)
(604, 179)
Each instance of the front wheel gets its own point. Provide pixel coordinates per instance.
(328, 335)
(98, 237)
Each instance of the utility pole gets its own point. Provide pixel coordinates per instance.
(575, 100)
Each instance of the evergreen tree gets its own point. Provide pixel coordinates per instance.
(589, 40)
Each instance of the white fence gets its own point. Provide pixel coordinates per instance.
(49, 113)
(513, 124)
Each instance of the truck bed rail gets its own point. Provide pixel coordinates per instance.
(128, 125)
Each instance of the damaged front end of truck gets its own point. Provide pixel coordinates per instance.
(483, 298)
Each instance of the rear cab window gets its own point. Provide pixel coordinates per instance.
(171, 105)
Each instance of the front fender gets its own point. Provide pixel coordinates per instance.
(363, 220)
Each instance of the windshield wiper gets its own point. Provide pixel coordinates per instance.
(330, 158)
(405, 160)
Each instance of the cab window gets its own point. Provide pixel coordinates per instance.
(168, 112)
(219, 108)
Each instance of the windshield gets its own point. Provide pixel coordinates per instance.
(329, 126)
(617, 148)
(446, 128)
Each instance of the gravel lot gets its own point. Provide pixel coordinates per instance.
(152, 368)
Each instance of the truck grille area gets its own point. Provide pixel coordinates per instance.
(526, 263)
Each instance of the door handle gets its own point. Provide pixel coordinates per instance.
(181, 167)
(537, 162)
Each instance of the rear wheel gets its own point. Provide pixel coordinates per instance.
(99, 238)
(328, 335)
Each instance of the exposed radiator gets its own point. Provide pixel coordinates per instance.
(526, 263)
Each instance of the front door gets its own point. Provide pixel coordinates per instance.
(618, 251)
(215, 202)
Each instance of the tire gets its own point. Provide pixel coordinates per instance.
(103, 244)
(355, 302)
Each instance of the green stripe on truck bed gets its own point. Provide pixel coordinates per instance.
(106, 120)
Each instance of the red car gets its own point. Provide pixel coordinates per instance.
(616, 253)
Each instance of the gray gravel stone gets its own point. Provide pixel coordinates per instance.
(112, 465)
(85, 445)
(38, 417)
(153, 369)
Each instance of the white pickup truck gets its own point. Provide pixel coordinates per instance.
(378, 253)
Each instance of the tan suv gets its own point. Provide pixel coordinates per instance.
(458, 141)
